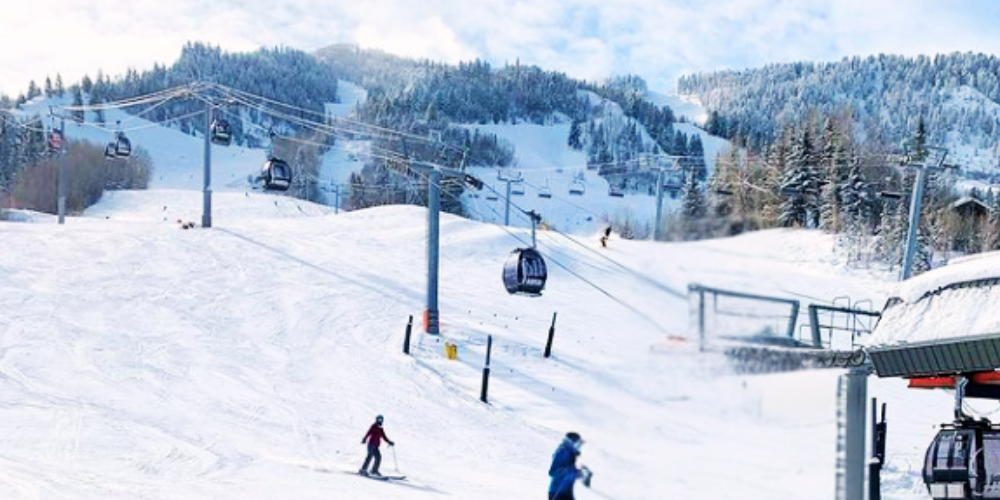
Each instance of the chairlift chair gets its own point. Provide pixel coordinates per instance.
(545, 191)
(674, 182)
(517, 189)
(276, 175)
(491, 194)
(221, 132)
(615, 191)
(577, 188)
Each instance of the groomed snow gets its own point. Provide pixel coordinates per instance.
(138, 360)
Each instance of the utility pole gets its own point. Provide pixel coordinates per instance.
(206, 216)
(506, 212)
(508, 180)
(431, 315)
(912, 230)
(916, 198)
(61, 202)
(432, 321)
(659, 206)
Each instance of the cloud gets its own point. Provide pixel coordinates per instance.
(656, 39)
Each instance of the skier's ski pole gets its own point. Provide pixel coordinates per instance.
(395, 464)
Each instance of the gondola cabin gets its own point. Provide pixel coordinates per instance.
(963, 461)
(56, 140)
(525, 273)
(276, 175)
(222, 132)
(121, 146)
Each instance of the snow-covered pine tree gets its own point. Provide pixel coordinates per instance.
(78, 114)
(696, 150)
(994, 222)
(920, 142)
(797, 182)
(575, 135)
(693, 207)
(720, 183)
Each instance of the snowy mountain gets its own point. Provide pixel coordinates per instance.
(886, 96)
(141, 360)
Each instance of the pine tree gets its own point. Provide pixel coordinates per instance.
(720, 184)
(96, 101)
(33, 90)
(994, 221)
(60, 89)
(48, 87)
(696, 151)
(795, 184)
(693, 206)
(86, 84)
(920, 142)
(575, 139)
(78, 102)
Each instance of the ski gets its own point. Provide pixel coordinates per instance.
(383, 478)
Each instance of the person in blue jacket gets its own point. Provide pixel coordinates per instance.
(563, 470)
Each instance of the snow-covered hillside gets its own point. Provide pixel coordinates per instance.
(975, 154)
(246, 361)
(549, 166)
(178, 158)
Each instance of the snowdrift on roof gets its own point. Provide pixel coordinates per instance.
(958, 300)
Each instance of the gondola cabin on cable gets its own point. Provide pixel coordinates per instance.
(120, 147)
(525, 273)
(222, 132)
(963, 461)
(56, 140)
(276, 175)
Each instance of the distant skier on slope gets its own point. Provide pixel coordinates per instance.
(605, 237)
(374, 440)
(563, 470)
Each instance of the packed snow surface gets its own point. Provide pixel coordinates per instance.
(141, 360)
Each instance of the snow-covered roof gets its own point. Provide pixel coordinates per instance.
(958, 300)
(968, 199)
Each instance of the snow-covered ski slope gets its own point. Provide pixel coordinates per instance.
(178, 158)
(549, 166)
(138, 360)
(543, 159)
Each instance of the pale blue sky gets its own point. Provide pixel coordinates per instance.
(656, 39)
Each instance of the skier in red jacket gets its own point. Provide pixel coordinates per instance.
(374, 439)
